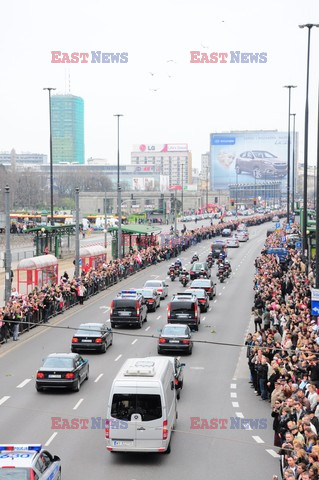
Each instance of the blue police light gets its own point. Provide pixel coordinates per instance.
(35, 448)
(129, 292)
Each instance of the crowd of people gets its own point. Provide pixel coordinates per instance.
(283, 357)
(24, 311)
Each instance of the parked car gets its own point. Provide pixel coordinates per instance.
(260, 164)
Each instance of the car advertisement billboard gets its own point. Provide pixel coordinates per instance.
(240, 157)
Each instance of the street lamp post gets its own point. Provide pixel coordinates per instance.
(7, 282)
(288, 151)
(305, 197)
(119, 212)
(51, 159)
(182, 165)
(105, 227)
(255, 194)
(236, 193)
(317, 208)
(293, 162)
(77, 233)
(207, 188)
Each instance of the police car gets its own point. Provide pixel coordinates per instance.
(128, 308)
(28, 462)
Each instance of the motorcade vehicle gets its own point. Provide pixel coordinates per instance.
(62, 370)
(92, 336)
(128, 308)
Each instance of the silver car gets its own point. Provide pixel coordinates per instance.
(159, 285)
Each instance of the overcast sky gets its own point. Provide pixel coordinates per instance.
(198, 98)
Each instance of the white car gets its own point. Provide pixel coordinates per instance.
(233, 242)
(159, 285)
(242, 236)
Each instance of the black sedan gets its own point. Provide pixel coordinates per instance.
(151, 297)
(92, 336)
(207, 284)
(226, 232)
(202, 297)
(174, 338)
(66, 370)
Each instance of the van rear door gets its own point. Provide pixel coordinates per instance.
(149, 421)
(122, 430)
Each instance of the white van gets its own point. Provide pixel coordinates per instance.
(141, 411)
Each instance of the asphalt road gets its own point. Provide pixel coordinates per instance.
(215, 386)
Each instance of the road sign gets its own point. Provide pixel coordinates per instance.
(278, 225)
(315, 294)
(291, 221)
(298, 245)
(315, 307)
(287, 228)
(283, 239)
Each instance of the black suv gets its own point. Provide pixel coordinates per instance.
(128, 308)
(196, 270)
(183, 308)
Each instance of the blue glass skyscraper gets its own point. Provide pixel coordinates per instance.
(67, 129)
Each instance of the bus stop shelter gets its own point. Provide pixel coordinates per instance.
(91, 256)
(36, 272)
(134, 237)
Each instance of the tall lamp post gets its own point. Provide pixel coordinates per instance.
(51, 159)
(317, 208)
(293, 162)
(236, 193)
(207, 188)
(119, 212)
(7, 282)
(288, 151)
(182, 196)
(77, 232)
(305, 168)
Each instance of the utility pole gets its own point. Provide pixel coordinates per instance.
(77, 233)
(105, 225)
(175, 212)
(119, 211)
(7, 284)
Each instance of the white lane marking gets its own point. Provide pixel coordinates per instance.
(257, 439)
(196, 368)
(215, 301)
(210, 308)
(233, 385)
(272, 453)
(233, 394)
(239, 415)
(78, 404)
(106, 309)
(147, 329)
(158, 317)
(220, 293)
(22, 384)
(134, 341)
(223, 287)
(117, 358)
(234, 378)
(204, 319)
(4, 399)
(50, 439)
(235, 404)
(234, 273)
(98, 378)
(155, 276)
(167, 278)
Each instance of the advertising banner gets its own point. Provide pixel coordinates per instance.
(164, 147)
(143, 184)
(243, 156)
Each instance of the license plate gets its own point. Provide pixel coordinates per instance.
(174, 341)
(122, 443)
(86, 341)
(54, 376)
(182, 315)
(124, 314)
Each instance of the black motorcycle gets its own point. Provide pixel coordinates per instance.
(221, 275)
(172, 275)
(210, 262)
(184, 280)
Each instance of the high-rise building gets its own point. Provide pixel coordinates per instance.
(14, 159)
(173, 160)
(67, 129)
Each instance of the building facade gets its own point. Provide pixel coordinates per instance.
(170, 160)
(14, 159)
(67, 113)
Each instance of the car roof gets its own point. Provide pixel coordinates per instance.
(10, 456)
(69, 355)
(93, 324)
(173, 325)
(196, 291)
(200, 280)
(154, 281)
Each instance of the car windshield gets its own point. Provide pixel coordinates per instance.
(15, 474)
(148, 406)
(58, 362)
(198, 292)
(182, 305)
(153, 284)
(200, 283)
(198, 266)
(147, 293)
(88, 330)
(174, 331)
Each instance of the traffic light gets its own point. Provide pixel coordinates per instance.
(232, 202)
(255, 201)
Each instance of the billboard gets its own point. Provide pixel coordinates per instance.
(164, 147)
(240, 157)
(143, 184)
